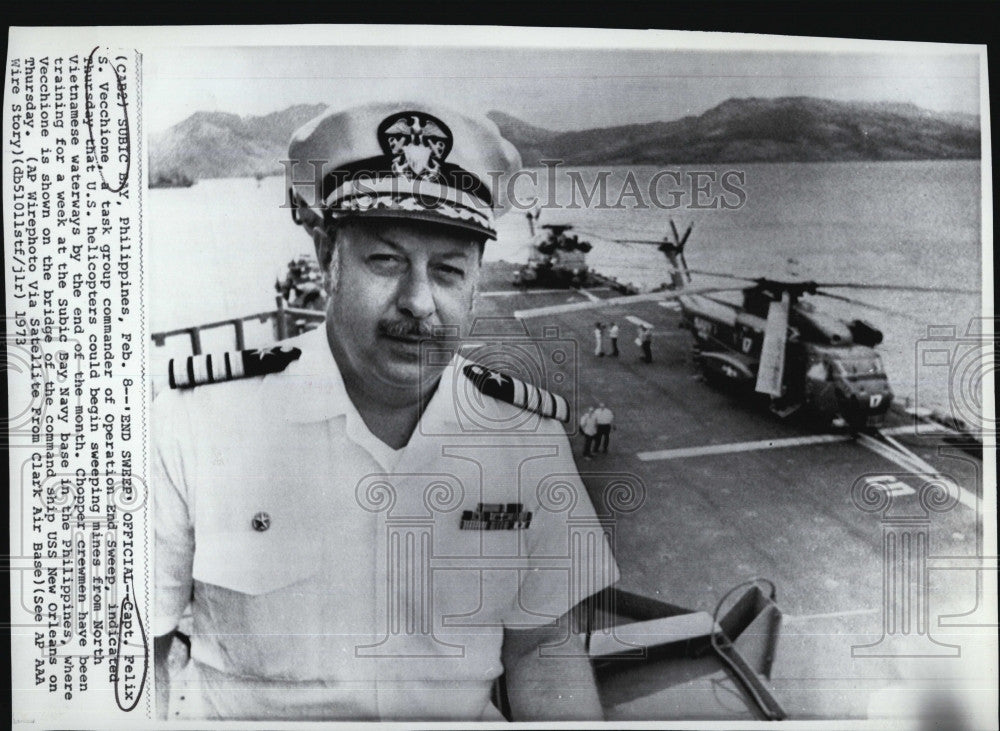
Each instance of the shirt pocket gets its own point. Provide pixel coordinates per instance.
(256, 603)
(256, 562)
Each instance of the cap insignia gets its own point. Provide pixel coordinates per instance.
(417, 142)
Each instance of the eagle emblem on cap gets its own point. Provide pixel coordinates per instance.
(417, 143)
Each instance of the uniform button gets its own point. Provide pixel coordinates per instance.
(261, 521)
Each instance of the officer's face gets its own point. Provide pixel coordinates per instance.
(392, 285)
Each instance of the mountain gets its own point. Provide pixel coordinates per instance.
(786, 129)
(221, 145)
(532, 142)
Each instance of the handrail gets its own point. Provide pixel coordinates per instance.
(280, 316)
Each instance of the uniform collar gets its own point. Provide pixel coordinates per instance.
(441, 413)
(310, 388)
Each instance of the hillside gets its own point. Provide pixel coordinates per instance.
(221, 145)
(787, 129)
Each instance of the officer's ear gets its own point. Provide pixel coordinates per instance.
(324, 238)
(313, 221)
(481, 248)
(325, 243)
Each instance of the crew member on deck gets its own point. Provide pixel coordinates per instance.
(359, 520)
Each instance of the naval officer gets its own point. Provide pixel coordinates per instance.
(362, 522)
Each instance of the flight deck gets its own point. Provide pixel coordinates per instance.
(872, 539)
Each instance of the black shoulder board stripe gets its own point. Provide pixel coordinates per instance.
(196, 370)
(512, 391)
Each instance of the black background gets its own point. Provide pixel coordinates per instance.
(951, 22)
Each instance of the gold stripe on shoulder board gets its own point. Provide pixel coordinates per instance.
(196, 370)
(518, 393)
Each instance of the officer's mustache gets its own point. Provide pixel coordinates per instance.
(405, 329)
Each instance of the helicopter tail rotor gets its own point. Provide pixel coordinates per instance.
(680, 246)
(684, 239)
(772, 354)
(687, 271)
(673, 249)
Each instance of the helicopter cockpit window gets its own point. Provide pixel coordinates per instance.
(859, 367)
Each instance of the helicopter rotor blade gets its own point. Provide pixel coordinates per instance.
(896, 287)
(593, 234)
(869, 305)
(772, 354)
(617, 301)
(687, 233)
(722, 275)
(677, 236)
(603, 237)
(687, 271)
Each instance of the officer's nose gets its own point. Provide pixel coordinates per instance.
(416, 298)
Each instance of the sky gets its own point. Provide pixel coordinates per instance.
(557, 88)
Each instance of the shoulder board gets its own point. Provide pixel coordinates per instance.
(196, 370)
(512, 391)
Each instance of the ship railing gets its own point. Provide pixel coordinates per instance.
(288, 321)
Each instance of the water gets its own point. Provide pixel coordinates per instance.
(217, 247)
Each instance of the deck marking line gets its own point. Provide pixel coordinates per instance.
(912, 463)
(924, 428)
(588, 295)
(708, 449)
(670, 305)
(792, 618)
(890, 485)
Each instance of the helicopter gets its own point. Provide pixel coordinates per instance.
(786, 349)
(557, 259)
(776, 342)
(302, 284)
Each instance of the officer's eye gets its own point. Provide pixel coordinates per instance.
(451, 272)
(386, 263)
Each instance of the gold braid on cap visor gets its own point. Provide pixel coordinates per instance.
(401, 196)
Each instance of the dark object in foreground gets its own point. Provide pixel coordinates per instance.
(659, 661)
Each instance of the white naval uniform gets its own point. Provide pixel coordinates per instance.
(363, 598)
